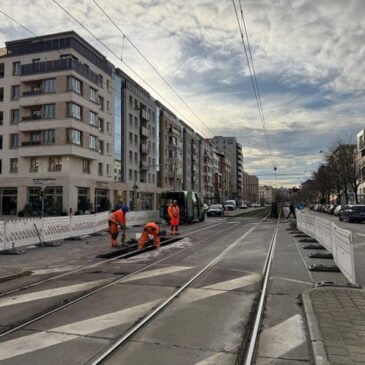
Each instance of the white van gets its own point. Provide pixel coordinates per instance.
(231, 203)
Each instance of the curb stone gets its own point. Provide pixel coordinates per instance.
(14, 276)
(316, 339)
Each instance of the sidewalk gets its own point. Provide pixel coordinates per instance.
(336, 321)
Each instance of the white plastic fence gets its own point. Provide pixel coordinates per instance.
(336, 240)
(29, 231)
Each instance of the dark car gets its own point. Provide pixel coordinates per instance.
(352, 213)
(215, 210)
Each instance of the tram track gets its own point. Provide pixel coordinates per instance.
(95, 290)
(118, 343)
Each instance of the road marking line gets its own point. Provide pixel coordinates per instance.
(24, 298)
(53, 270)
(222, 358)
(278, 340)
(157, 272)
(55, 336)
(41, 340)
(293, 280)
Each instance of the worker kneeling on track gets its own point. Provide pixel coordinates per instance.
(149, 229)
(116, 220)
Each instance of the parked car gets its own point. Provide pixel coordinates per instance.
(243, 206)
(215, 210)
(255, 205)
(206, 207)
(230, 203)
(331, 209)
(336, 212)
(352, 213)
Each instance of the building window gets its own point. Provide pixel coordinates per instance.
(136, 158)
(92, 118)
(135, 123)
(108, 106)
(92, 94)
(130, 157)
(55, 164)
(108, 148)
(130, 174)
(1, 142)
(16, 68)
(1, 166)
(101, 103)
(108, 85)
(130, 138)
(86, 166)
(36, 60)
(14, 140)
(101, 125)
(49, 136)
(100, 169)
(74, 136)
(130, 121)
(1, 117)
(15, 92)
(136, 140)
(74, 84)
(74, 110)
(130, 100)
(13, 165)
(48, 86)
(49, 111)
(92, 142)
(108, 170)
(33, 164)
(101, 147)
(108, 127)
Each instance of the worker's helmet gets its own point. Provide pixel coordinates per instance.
(125, 209)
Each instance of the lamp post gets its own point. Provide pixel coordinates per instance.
(42, 182)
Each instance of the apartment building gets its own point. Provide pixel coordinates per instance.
(266, 194)
(222, 179)
(191, 161)
(361, 163)
(56, 125)
(135, 144)
(233, 152)
(170, 173)
(250, 190)
(206, 170)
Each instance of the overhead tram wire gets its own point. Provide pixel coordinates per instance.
(151, 65)
(120, 60)
(254, 80)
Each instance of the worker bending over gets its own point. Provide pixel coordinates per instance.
(116, 220)
(174, 214)
(149, 229)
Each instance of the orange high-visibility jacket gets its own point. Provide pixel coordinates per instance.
(174, 212)
(151, 227)
(118, 217)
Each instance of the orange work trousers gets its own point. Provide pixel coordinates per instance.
(145, 238)
(113, 233)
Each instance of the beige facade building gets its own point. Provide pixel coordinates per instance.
(56, 123)
(206, 170)
(266, 194)
(250, 190)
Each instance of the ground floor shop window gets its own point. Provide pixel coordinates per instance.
(102, 202)
(8, 201)
(53, 202)
(84, 204)
(146, 201)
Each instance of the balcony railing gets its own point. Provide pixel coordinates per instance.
(32, 92)
(144, 115)
(144, 148)
(31, 117)
(31, 143)
(60, 65)
(144, 132)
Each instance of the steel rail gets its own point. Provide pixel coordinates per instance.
(250, 351)
(118, 343)
(102, 287)
(12, 291)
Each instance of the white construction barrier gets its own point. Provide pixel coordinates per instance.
(29, 231)
(56, 228)
(336, 240)
(2, 235)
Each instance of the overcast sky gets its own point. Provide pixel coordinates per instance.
(309, 60)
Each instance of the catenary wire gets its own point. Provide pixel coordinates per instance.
(126, 37)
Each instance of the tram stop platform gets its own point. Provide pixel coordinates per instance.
(336, 324)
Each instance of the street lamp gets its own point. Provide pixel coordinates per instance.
(42, 182)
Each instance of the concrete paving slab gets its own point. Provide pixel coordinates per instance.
(11, 272)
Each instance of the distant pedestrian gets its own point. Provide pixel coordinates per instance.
(174, 215)
(291, 210)
(274, 210)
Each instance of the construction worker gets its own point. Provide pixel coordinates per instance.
(116, 220)
(174, 215)
(150, 229)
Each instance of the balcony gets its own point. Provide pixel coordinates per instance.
(31, 117)
(144, 132)
(144, 115)
(174, 131)
(60, 65)
(31, 143)
(32, 92)
(144, 148)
